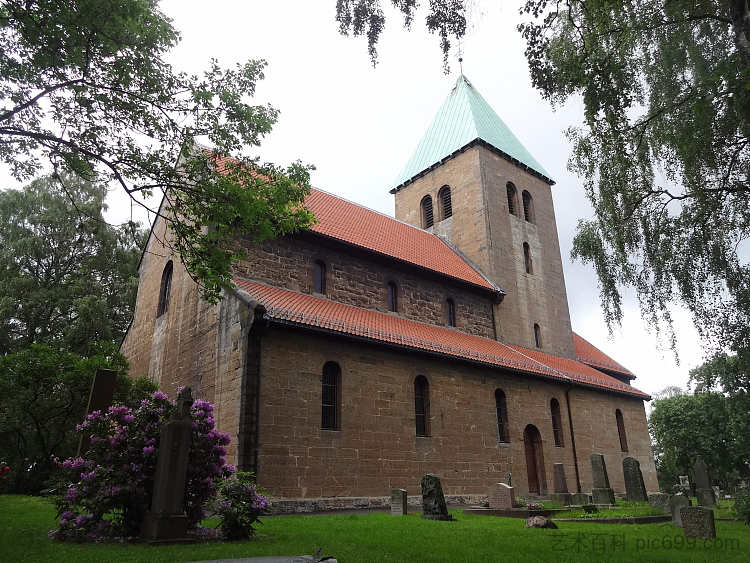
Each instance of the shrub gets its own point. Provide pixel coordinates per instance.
(238, 505)
(742, 505)
(106, 493)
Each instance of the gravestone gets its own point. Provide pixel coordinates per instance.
(579, 499)
(398, 502)
(635, 489)
(717, 492)
(433, 500)
(561, 494)
(703, 491)
(698, 522)
(100, 398)
(166, 519)
(601, 492)
(677, 503)
(684, 481)
(660, 500)
(501, 497)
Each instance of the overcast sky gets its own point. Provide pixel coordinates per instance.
(358, 125)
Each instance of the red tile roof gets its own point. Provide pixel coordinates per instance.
(591, 355)
(303, 309)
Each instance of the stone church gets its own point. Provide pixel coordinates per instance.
(357, 356)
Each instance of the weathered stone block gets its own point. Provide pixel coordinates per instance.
(706, 497)
(579, 499)
(433, 501)
(603, 496)
(398, 502)
(599, 472)
(698, 522)
(501, 497)
(660, 500)
(634, 487)
(559, 482)
(677, 503)
(540, 522)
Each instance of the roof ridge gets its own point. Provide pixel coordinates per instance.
(611, 364)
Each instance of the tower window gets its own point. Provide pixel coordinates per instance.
(557, 430)
(537, 335)
(451, 311)
(512, 199)
(330, 397)
(501, 409)
(444, 196)
(621, 430)
(165, 290)
(527, 258)
(426, 206)
(421, 405)
(528, 206)
(392, 291)
(319, 277)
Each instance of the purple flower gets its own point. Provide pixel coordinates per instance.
(95, 415)
(160, 395)
(128, 418)
(148, 450)
(66, 516)
(70, 496)
(88, 476)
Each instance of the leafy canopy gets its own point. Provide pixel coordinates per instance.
(67, 278)
(84, 86)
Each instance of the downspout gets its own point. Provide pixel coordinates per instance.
(573, 440)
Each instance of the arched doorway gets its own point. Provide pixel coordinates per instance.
(534, 460)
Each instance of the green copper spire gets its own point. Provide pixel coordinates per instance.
(465, 117)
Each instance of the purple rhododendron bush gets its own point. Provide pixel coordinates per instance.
(106, 493)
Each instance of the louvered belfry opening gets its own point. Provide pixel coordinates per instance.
(528, 207)
(330, 396)
(446, 208)
(511, 189)
(427, 217)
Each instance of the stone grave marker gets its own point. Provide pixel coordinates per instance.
(635, 489)
(433, 500)
(501, 497)
(684, 481)
(579, 499)
(561, 494)
(100, 398)
(166, 519)
(398, 502)
(677, 503)
(703, 491)
(698, 522)
(660, 500)
(601, 491)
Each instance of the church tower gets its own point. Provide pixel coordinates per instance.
(473, 183)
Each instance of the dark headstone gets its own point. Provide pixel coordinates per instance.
(603, 496)
(698, 522)
(398, 502)
(560, 484)
(579, 499)
(564, 499)
(501, 497)
(433, 500)
(702, 477)
(635, 489)
(677, 503)
(599, 472)
(100, 398)
(706, 497)
(166, 519)
(540, 522)
(660, 501)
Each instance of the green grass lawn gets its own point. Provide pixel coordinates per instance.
(623, 509)
(24, 522)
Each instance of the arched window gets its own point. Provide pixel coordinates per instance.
(164, 291)
(319, 277)
(444, 196)
(512, 199)
(501, 409)
(537, 335)
(422, 405)
(557, 430)
(392, 291)
(450, 306)
(426, 206)
(528, 206)
(527, 258)
(621, 431)
(330, 397)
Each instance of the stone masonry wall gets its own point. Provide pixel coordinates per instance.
(376, 448)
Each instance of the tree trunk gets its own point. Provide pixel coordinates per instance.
(741, 28)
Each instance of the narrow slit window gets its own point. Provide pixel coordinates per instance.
(392, 290)
(528, 264)
(446, 208)
(427, 218)
(621, 431)
(165, 289)
(331, 384)
(319, 277)
(512, 197)
(421, 405)
(451, 311)
(537, 335)
(528, 207)
(501, 409)
(557, 430)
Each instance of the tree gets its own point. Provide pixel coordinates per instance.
(43, 395)
(663, 151)
(84, 87)
(68, 278)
